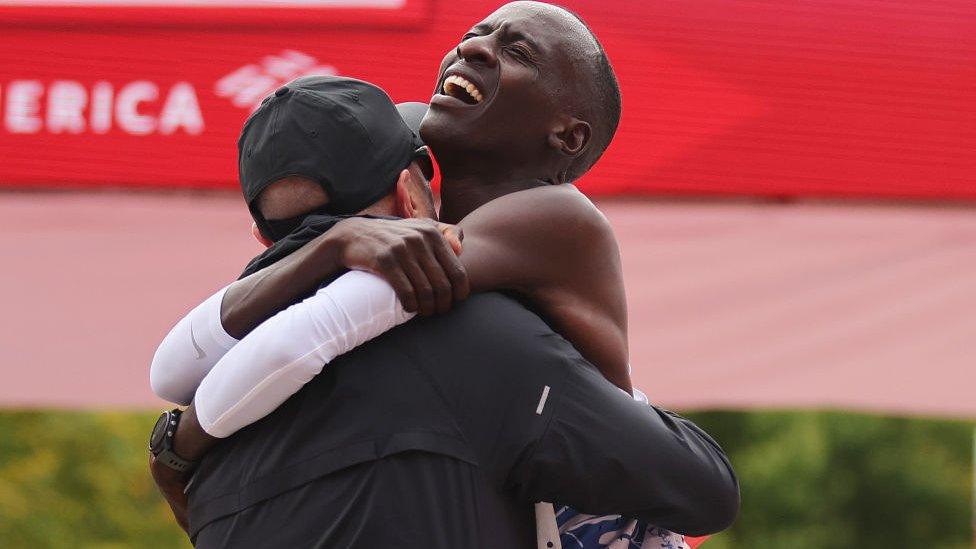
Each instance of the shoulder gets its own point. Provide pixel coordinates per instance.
(482, 316)
(488, 351)
(547, 220)
(489, 324)
(566, 218)
(562, 205)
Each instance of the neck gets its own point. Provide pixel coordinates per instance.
(469, 180)
(384, 206)
(461, 196)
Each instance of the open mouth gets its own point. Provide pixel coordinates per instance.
(461, 88)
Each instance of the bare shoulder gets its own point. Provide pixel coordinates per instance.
(561, 212)
(544, 239)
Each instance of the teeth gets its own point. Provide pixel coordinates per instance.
(463, 83)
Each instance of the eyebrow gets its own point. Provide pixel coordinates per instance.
(484, 28)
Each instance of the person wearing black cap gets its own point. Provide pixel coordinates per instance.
(298, 183)
(344, 134)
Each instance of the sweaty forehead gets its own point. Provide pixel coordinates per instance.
(550, 27)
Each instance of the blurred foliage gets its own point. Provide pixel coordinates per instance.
(829, 479)
(80, 479)
(809, 479)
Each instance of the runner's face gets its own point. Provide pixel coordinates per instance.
(500, 88)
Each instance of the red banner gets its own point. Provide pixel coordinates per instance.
(839, 98)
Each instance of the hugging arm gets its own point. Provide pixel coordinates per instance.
(565, 263)
(285, 352)
(273, 362)
(548, 244)
(605, 453)
(189, 351)
(414, 256)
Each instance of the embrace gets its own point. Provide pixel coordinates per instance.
(318, 412)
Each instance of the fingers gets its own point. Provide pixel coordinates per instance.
(368, 245)
(438, 257)
(390, 269)
(419, 259)
(419, 280)
(179, 512)
(447, 257)
(173, 491)
(453, 234)
(431, 252)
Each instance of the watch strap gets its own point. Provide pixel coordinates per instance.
(166, 455)
(169, 458)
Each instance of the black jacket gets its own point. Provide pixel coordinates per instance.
(484, 410)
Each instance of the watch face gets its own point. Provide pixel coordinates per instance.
(159, 433)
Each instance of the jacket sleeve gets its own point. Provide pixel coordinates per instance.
(605, 453)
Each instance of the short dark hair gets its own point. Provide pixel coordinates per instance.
(601, 107)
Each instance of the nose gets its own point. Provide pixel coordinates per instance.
(478, 49)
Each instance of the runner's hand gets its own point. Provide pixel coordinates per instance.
(171, 484)
(418, 257)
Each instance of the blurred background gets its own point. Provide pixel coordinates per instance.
(792, 187)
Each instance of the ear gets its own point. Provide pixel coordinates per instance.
(571, 136)
(406, 206)
(265, 241)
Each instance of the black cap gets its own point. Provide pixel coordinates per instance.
(343, 133)
(412, 113)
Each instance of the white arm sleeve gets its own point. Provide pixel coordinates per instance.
(285, 352)
(189, 351)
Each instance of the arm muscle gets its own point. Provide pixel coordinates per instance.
(553, 247)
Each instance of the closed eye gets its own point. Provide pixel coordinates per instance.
(521, 52)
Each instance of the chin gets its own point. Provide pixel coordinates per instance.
(431, 128)
(442, 133)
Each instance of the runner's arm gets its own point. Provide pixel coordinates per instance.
(281, 355)
(273, 362)
(285, 352)
(565, 262)
(414, 256)
(189, 351)
(550, 262)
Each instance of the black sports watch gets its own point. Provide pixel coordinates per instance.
(161, 442)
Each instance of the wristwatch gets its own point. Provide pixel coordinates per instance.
(161, 442)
